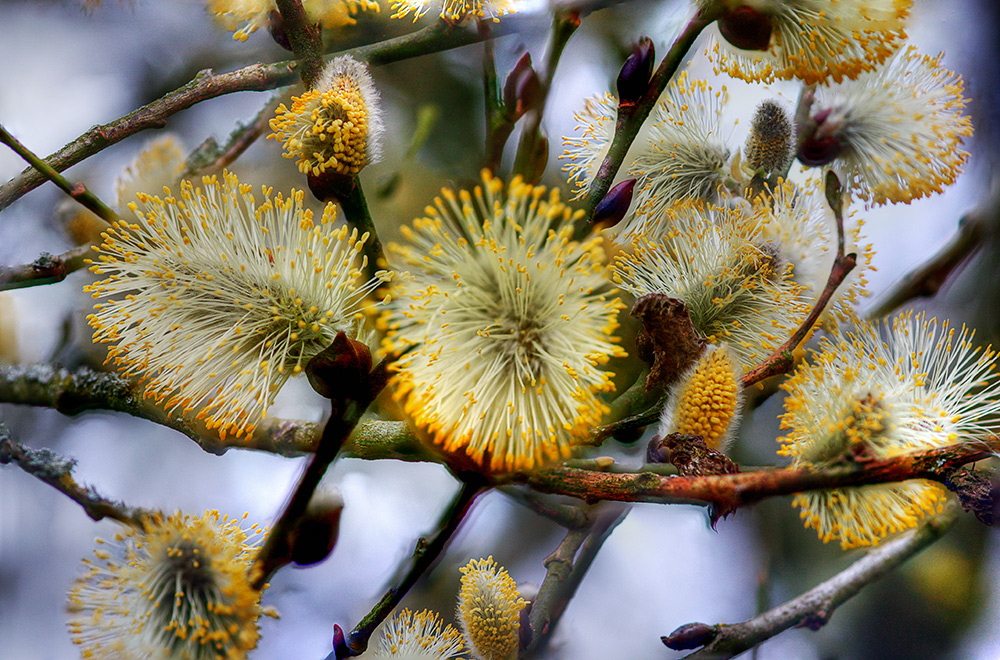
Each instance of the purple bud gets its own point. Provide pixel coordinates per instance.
(815, 152)
(276, 26)
(614, 206)
(690, 636)
(522, 90)
(633, 79)
(746, 28)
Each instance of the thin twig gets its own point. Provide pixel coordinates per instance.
(570, 516)
(814, 608)
(255, 78)
(304, 38)
(77, 191)
(928, 278)
(46, 269)
(425, 554)
(731, 491)
(57, 471)
(629, 122)
(565, 569)
(532, 152)
(781, 361)
(356, 213)
(209, 157)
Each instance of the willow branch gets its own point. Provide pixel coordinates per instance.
(77, 191)
(46, 269)
(255, 78)
(57, 471)
(781, 361)
(73, 392)
(532, 151)
(631, 119)
(565, 569)
(731, 491)
(304, 39)
(210, 157)
(814, 608)
(424, 555)
(356, 213)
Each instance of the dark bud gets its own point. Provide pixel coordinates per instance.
(633, 79)
(769, 146)
(532, 164)
(341, 371)
(614, 206)
(340, 650)
(315, 535)
(690, 636)
(656, 451)
(747, 28)
(523, 90)
(979, 494)
(668, 340)
(276, 26)
(816, 152)
(524, 632)
(330, 186)
(630, 435)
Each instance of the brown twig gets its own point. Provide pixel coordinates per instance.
(564, 571)
(731, 491)
(780, 361)
(255, 78)
(46, 269)
(304, 38)
(209, 157)
(425, 554)
(928, 278)
(629, 122)
(814, 608)
(57, 471)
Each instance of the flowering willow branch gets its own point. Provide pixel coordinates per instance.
(814, 608)
(255, 78)
(356, 213)
(532, 152)
(304, 39)
(780, 361)
(565, 569)
(731, 491)
(73, 392)
(77, 191)
(46, 269)
(630, 118)
(346, 413)
(424, 555)
(57, 472)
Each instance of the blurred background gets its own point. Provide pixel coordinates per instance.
(66, 68)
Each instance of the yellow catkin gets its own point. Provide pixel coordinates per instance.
(489, 610)
(709, 398)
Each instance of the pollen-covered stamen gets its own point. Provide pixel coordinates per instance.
(335, 127)
(419, 636)
(909, 384)
(489, 610)
(812, 40)
(895, 134)
(511, 325)
(706, 401)
(685, 157)
(178, 587)
(217, 300)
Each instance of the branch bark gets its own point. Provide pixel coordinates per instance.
(814, 608)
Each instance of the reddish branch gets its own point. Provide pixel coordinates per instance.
(46, 269)
(731, 491)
